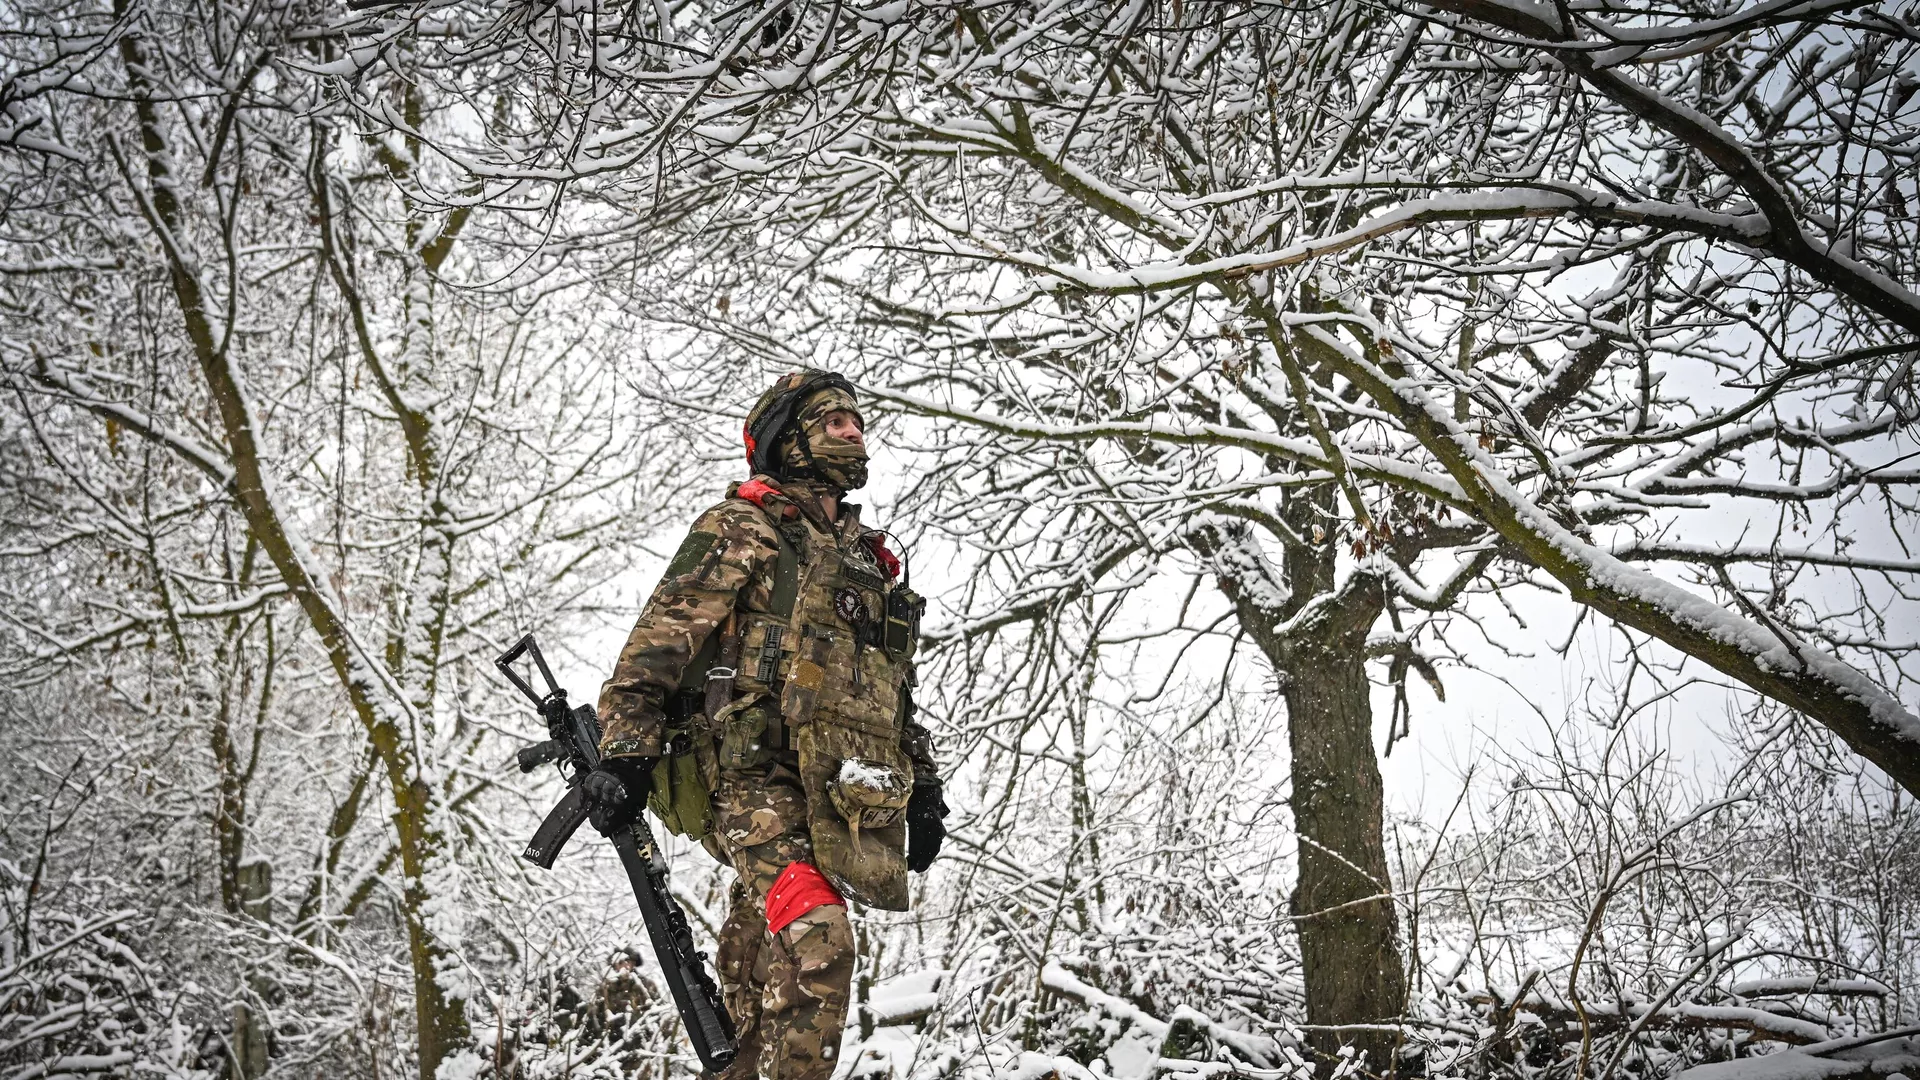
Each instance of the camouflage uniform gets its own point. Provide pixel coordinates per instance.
(810, 695)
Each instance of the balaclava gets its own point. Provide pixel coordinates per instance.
(801, 450)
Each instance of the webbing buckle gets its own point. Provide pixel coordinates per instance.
(770, 654)
(721, 673)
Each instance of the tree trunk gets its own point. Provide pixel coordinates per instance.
(1313, 630)
(230, 805)
(1343, 907)
(440, 1018)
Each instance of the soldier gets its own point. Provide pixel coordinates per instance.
(775, 659)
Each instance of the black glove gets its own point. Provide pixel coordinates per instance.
(617, 792)
(925, 829)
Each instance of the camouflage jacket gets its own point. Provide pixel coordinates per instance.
(728, 566)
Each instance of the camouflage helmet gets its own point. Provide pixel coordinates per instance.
(794, 400)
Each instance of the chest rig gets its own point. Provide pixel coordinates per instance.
(837, 637)
(833, 660)
(819, 664)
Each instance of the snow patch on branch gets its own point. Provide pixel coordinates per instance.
(1258, 1049)
(1887, 1057)
(1763, 646)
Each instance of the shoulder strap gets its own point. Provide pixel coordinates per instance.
(726, 638)
(786, 574)
(786, 568)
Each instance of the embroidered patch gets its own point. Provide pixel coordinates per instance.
(861, 575)
(850, 606)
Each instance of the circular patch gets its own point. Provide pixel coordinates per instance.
(850, 606)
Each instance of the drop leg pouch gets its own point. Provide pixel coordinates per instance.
(857, 782)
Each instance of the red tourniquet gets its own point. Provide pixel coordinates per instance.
(754, 490)
(887, 559)
(799, 890)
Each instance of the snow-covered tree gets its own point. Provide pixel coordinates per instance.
(275, 483)
(1360, 311)
(1374, 318)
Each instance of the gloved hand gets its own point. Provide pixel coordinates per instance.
(925, 829)
(617, 792)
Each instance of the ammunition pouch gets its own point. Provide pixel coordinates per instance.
(681, 795)
(749, 730)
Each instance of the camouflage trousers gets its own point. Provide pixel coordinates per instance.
(787, 992)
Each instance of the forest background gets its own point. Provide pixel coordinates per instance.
(1229, 362)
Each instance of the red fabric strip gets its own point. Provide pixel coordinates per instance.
(800, 889)
(754, 491)
(888, 561)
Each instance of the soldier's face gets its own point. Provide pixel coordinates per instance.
(842, 424)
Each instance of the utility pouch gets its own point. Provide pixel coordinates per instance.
(902, 631)
(857, 782)
(680, 797)
(747, 732)
(869, 795)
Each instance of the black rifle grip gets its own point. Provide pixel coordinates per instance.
(532, 757)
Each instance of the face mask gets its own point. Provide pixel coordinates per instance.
(839, 463)
(836, 462)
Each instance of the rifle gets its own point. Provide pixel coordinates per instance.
(573, 743)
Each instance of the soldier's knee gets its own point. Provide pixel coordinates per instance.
(811, 973)
(821, 944)
(807, 995)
